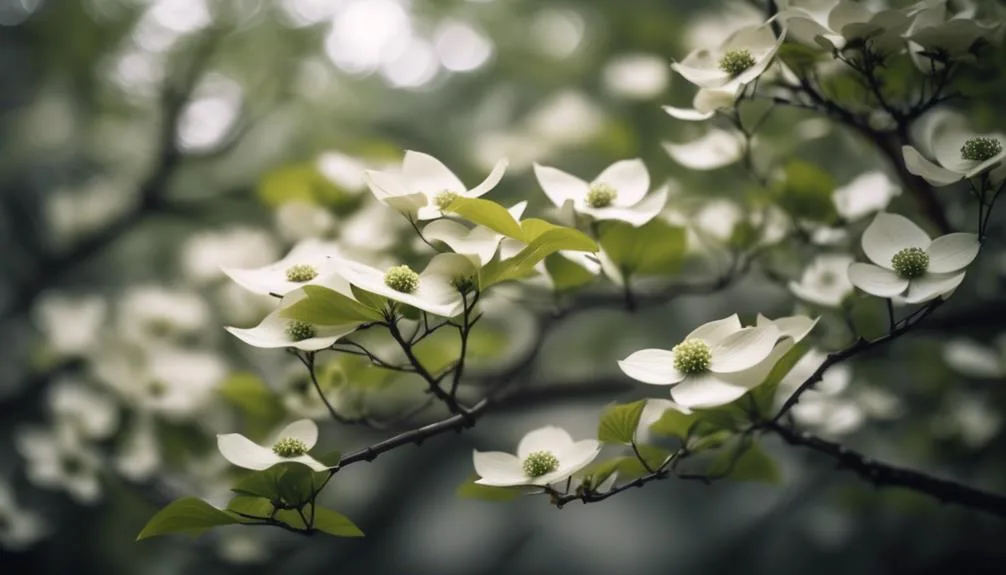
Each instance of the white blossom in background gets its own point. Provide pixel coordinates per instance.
(205, 254)
(180, 383)
(372, 228)
(969, 418)
(974, 359)
(637, 76)
(619, 192)
(291, 444)
(151, 314)
(435, 290)
(89, 412)
(71, 325)
(425, 186)
(823, 407)
(346, 172)
(20, 527)
(825, 281)
(908, 263)
(544, 456)
(309, 262)
(739, 60)
(300, 220)
(719, 361)
(566, 119)
(74, 212)
(58, 458)
(138, 456)
(865, 195)
(716, 149)
(706, 103)
(276, 331)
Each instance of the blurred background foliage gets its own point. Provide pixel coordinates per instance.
(146, 143)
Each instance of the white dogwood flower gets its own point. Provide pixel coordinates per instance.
(618, 193)
(425, 186)
(716, 149)
(19, 527)
(834, 25)
(437, 290)
(740, 59)
(960, 153)
(907, 262)
(478, 241)
(276, 331)
(290, 445)
(866, 194)
(825, 281)
(544, 456)
(59, 459)
(92, 413)
(309, 262)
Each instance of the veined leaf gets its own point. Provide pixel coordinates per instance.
(324, 306)
(619, 422)
(189, 516)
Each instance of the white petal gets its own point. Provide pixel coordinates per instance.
(708, 101)
(744, 349)
(517, 210)
(372, 280)
(243, 452)
(427, 175)
(548, 438)
(688, 114)
(385, 185)
(480, 241)
(629, 178)
(716, 149)
(572, 459)
(560, 186)
(931, 286)
(701, 68)
(498, 469)
(813, 295)
(654, 366)
(636, 215)
(795, 327)
(952, 252)
(270, 333)
(705, 390)
(271, 279)
(875, 280)
(929, 171)
(888, 234)
(302, 429)
(307, 460)
(490, 182)
(715, 331)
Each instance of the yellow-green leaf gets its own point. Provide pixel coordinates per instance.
(189, 516)
(619, 422)
(324, 306)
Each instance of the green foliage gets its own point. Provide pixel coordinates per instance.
(302, 182)
(628, 467)
(471, 490)
(565, 274)
(656, 248)
(333, 523)
(748, 462)
(545, 244)
(806, 193)
(489, 214)
(289, 483)
(370, 300)
(255, 399)
(674, 423)
(869, 316)
(324, 306)
(763, 396)
(187, 516)
(798, 57)
(619, 422)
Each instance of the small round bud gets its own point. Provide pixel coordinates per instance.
(444, 199)
(910, 263)
(464, 284)
(157, 388)
(539, 463)
(980, 148)
(289, 447)
(735, 62)
(692, 356)
(300, 330)
(601, 195)
(402, 279)
(301, 273)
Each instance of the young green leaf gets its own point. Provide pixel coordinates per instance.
(764, 394)
(750, 464)
(656, 248)
(189, 516)
(674, 423)
(566, 274)
(337, 524)
(619, 422)
(324, 306)
(488, 214)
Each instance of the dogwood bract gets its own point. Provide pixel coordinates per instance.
(907, 262)
(275, 330)
(741, 58)
(825, 281)
(309, 262)
(544, 456)
(425, 186)
(479, 241)
(437, 290)
(618, 193)
(291, 445)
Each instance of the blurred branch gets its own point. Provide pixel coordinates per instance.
(884, 475)
(52, 267)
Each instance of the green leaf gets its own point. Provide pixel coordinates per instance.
(370, 300)
(674, 423)
(189, 516)
(751, 464)
(331, 459)
(264, 483)
(619, 422)
(292, 483)
(252, 396)
(806, 192)
(337, 524)
(249, 505)
(544, 245)
(489, 214)
(303, 182)
(764, 394)
(600, 471)
(656, 248)
(565, 274)
(471, 490)
(324, 306)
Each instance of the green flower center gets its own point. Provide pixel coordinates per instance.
(692, 356)
(157, 388)
(910, 263)
(981, 148)
(289, 447)
(601, 195)
(735, 62)
(401, 278)
(444, 199)
(539, 463)
(301, 273)
(299, 330)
